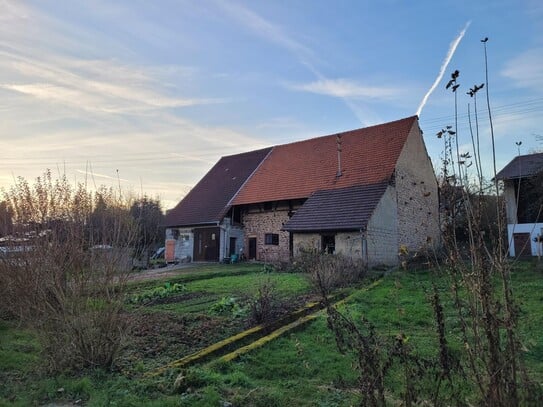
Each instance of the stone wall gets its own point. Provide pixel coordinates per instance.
(417, 196)
(257, 224)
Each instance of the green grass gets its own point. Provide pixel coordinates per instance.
(302, 368)
(242, 286)
(305, 368)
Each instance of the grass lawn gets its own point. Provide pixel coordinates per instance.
(302, 368)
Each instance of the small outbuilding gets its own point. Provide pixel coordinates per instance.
(523, 192)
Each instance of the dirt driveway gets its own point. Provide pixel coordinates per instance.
(169, 271)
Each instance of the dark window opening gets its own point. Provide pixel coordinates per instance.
(530, 198)
(232, 246)
(236, 215)
(328, 244)
(268, 206)
(271, 238)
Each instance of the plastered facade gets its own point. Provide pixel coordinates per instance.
(376, 245)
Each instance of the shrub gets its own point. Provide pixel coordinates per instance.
(156, 293)
(228, 306)
(262, 303)
(69, 256)
(330, 271)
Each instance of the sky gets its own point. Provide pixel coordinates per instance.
(150, 94)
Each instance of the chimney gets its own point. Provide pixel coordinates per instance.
(338, 142)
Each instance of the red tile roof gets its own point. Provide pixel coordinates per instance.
(299, 169)
(207, 202)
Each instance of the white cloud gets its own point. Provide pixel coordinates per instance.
(346, 88)
(265, 29)
(278, 36)
(85, 84)
(525, 69)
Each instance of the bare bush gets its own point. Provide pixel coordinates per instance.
(480, 276)
(65, 267)
(330, 271)
(263, 302)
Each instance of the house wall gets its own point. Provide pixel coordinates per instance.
(229, 230)
(184, 242)
(257, 223)
(533, 229)
(382, 238)
(377, 245)
(510, 201)
(305, 241)
(347, 243)
(417, 196)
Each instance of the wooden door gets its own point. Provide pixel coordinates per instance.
(252, 248)
(206, 244)
(169, 254)
(523, 246)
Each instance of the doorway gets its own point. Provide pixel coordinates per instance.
(328, 244)
(523, 246)
(252, 248)
(232, 246)
(206, 244)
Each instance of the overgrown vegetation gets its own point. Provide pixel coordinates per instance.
(480, 279)
(65, 267)
(474, 261)
(302, 368)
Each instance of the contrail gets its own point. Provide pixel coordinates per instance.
(450, 53)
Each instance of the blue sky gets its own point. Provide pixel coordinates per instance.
(153, 93)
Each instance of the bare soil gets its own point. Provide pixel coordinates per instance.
(169, 271)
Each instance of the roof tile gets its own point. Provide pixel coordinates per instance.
(208, 201)
(298, 169)
(522, 166)
(339, 209)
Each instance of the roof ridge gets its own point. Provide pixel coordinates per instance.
(342, 133)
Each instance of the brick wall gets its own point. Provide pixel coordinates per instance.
(417, 195)
(257, 224)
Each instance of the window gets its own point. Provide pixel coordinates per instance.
(271, 238)
(328, 244)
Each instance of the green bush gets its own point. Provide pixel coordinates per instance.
(228, 306)
(156, 293)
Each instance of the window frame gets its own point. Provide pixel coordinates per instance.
(271, 239)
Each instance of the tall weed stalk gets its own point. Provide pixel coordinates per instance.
(65, 269)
